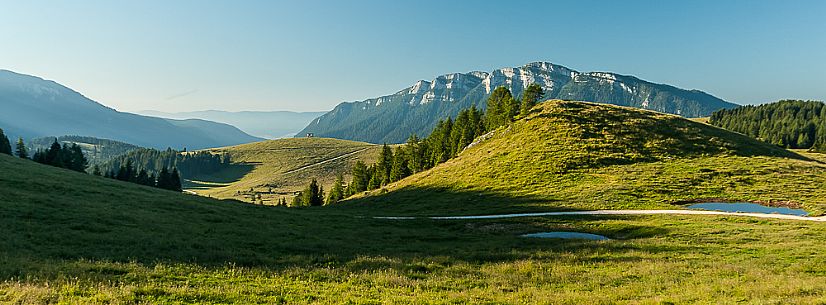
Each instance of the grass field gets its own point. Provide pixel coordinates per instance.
(93, 245)
(277, 168)
(69, 238)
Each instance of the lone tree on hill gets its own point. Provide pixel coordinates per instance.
(22, 152)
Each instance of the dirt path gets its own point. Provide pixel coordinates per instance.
(618, 212)
(325, 161)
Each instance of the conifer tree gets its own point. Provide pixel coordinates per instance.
(533, 93)
(5, 145)
(501, 108)
(53, 155)
(337, 192)
(22, 152)
(96, 170)
(143, 178)
(163, 179)
(400, 168)
(175, 180)
(384, 165)
(77, 161)
(313, 195)
(361, 179)
(375, 180)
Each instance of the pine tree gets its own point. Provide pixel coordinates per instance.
(337, 192)
(143, 178)
(163, 179)
(313, 195)
(533, 93)
(361, 178)
(384, 165)
(5, 145)
(53, 155)
(96, 170)
(375, 180)
(175, 180)
(77, 161)
(400, 168)
(22, 152)
(501, 108)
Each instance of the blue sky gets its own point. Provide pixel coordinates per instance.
(311, 55)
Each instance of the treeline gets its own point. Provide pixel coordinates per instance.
(787, 123)
(63, 156)
(446, 141)
(164, 179)
(96, 150)
(72, 157)
(188, 164)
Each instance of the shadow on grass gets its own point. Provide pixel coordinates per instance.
(443, 201)
(47, 243)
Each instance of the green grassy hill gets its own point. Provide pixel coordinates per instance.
(575, 155)
(277, 168)
(70, 238)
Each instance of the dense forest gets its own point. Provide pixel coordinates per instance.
(96, 150)
(189, 164)
(787, 123)
(164, 178)
(446, 141)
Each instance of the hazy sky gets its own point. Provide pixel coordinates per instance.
(311, 55)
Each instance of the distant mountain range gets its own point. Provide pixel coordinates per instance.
(264, 124)
(417, 109)
(32, 107)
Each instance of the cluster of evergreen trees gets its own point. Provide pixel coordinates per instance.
(314, 195)
(65, 156)
(165, 179)
(446, 141)
(97, 150)
(71, 157)
(787, 123)
(189, 165)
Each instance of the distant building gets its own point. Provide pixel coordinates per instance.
(310, 135)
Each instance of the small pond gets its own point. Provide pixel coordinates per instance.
(746, 207)
(566, 235)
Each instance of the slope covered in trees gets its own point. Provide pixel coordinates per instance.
(153, 161)
(576, 155)
(787, 123)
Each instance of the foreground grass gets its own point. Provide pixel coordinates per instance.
(72, 238)
(652, 260)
